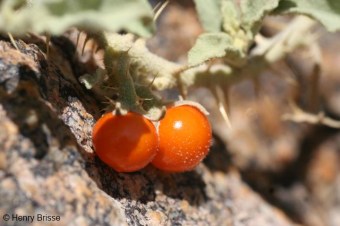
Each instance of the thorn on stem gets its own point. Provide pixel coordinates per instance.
(222, 103)
(12, 41)
(77, 41)
(159, 9)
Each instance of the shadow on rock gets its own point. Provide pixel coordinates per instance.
(144, 185)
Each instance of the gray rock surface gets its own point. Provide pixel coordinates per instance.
(48, 167)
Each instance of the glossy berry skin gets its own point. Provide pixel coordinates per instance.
(184, 139)
(127, 143)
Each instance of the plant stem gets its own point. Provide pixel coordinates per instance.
(144, 64)
(297, 33)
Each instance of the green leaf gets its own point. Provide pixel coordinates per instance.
(209, 14)
(55, 17)
(326, 11)
(213, 45)
(231, 17)
(241, 20)
(254, 11)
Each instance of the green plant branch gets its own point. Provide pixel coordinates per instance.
(296, 34)
(145, 64)
(118, 71)
(139, 64)
(124, 62)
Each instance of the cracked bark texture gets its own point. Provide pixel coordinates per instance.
(47, 163)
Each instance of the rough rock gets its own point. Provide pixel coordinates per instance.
(47, 163)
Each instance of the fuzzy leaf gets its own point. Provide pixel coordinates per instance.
(241, 20)
(326, 11)
(244, 17)
(213, 45)
(254, 11)
(209, 14)
(55, 17)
